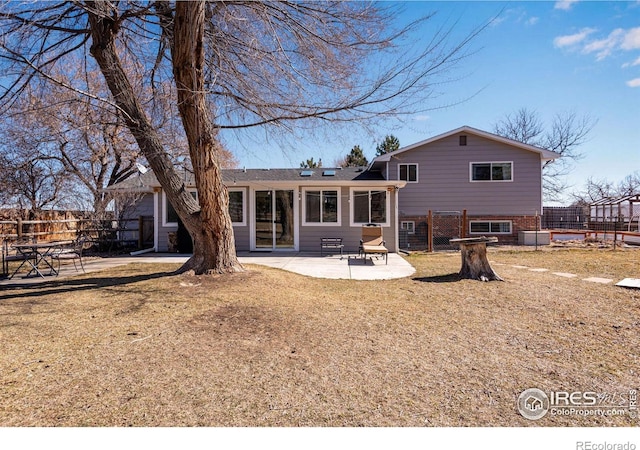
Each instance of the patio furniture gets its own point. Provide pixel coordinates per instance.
(372, 242)
(331, 244)
(35, 255)
(72, 252)
(475, 264)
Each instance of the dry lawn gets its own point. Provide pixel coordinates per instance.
(136, 346)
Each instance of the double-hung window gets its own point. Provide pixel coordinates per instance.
(369, 206)
(492, 171)
(408, 173)
(321, 207)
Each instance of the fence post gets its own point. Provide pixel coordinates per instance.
(19, 228)
(463, 232)
(430, 231)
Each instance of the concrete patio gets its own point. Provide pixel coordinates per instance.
(349, 266)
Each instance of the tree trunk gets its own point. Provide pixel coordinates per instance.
(475, 264)
(208, 223)
(213, 241)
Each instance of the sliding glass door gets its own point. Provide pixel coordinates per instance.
(274, 219)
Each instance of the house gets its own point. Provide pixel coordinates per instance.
(284, 209)
(497, 181)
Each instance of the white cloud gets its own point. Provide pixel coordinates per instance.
(532, 20)
(631, 39)
(618, 39)
(604, 47)
(422, 118)
(632, 64)
(565, 5)
(573, 39)
(634, 83)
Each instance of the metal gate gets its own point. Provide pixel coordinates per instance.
(443, 226)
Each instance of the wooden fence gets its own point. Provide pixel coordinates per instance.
(107, 235)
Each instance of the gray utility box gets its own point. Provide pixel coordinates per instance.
(529, 238)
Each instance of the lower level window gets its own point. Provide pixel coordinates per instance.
(490, 226)
(409, 226)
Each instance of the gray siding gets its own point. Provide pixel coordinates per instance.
(444, 179)
(310, 235)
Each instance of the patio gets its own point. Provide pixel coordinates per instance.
(350, 266)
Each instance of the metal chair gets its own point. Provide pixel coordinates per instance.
(72, 253)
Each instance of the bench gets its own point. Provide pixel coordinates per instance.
(331, 244)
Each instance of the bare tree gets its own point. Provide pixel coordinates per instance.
(234, 65)
(566, 133)
(598, 189)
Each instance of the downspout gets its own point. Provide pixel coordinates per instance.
(156, 227)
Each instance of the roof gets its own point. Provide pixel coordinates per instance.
(323, 175)
(545, 155)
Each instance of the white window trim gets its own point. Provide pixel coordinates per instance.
(165, 210)
(413, 226)
(244, 207)
(369, 189)
(320, 224)
(490, 222)
(490, 181)
(165, 202)
(417, 172)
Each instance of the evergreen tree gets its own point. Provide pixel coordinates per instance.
(388, 145)
(355, 158)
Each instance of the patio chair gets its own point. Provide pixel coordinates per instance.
(72, 253)
(372, 242)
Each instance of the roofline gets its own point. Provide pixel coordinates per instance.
(546, 155)
(306, 182)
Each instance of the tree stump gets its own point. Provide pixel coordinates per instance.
(475, 265)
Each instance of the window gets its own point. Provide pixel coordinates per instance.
(492, 171)
(321, 207)
(369, 206)
(408, 226)
(236, 207)
(491, 227)
(463, 141)
(170, 218)
(408, 172)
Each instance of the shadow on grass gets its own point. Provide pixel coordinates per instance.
(449, 278)
(66, 285)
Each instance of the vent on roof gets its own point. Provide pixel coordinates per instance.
(329, 173)
(306, 173)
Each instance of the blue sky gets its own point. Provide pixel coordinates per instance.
(550, 57)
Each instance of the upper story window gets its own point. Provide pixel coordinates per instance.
(492, 171)
(408, 172)
(463, 140)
